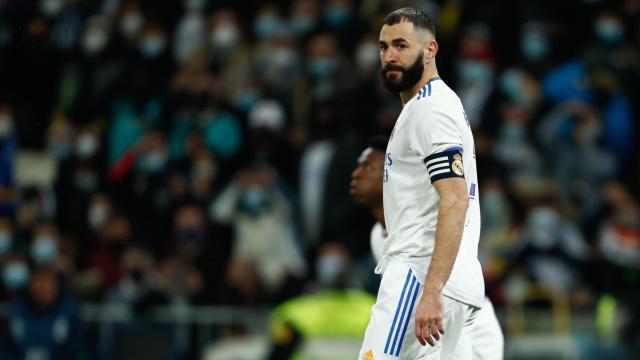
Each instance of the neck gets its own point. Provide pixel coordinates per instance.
(378, 212)
(428, 74)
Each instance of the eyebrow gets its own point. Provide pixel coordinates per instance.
(394, 41)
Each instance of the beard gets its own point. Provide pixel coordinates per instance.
(409, 76)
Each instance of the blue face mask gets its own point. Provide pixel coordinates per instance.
(44, 250)
(60, 150)
(254, 200)
(493, 203)
(329, 268)
(323, 67)
(337, 16)
(191, 234)
(153, 162)
(267, 26)
(474, 71)
(152, 47)
(512, 133)
(245, 100)
(5, 242)
(511, 83)
(609, 31)
(534, 46)
(15, 275)
(302, 24)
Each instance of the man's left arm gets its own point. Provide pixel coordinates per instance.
(453, 205)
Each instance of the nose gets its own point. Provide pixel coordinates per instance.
(389, 56)
(355, 173)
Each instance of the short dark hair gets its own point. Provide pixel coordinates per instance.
(378, 143)
(418, 18)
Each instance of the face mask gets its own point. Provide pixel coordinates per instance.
(59, 149)
(367, 56)
(609, 31)
(493, 203)
(191, 234)
(154, 162)
(254, 200)
(534, 46)
(329, 268)
(475, 71)
(195, 5)
(5, 242)
(6, 125)
(511, 83)
(15, 275)
(152, 46)
(224, 36)
(323, 67)
(284, 58)
(302, 24)
(267, 26)
(87, 146)
(94, 41)
(44, 250)
(245, 100)
(337, 16)
(512, 132)
(543, 223)
(131, 24)
(51, 8)
(97, 216)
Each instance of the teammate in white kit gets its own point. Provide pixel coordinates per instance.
(366, 188)
(432, 286)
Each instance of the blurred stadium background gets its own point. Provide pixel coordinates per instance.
(171, 171)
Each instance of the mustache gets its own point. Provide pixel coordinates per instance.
(390, 67)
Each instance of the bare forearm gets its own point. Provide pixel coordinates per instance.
(449, 230)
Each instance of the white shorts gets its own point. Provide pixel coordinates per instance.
(391, 330)
(488, 341)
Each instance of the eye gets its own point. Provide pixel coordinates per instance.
(383, 47)
(402, 46)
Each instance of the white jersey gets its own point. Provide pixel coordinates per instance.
(431, 140)
(376, 239)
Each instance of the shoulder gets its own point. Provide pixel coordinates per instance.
(435, 97)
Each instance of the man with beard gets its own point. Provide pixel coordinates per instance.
(366, 189)
(432, 285)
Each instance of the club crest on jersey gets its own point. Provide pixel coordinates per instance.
(456, 164)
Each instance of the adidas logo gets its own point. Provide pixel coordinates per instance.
(368, 355)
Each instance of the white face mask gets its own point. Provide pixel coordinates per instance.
(94, 41)
(87, 145)
(367, 56)
(224, 36)
(284, 58)
(131, 24)
(98, 215)
(51, 8)
(195, 5)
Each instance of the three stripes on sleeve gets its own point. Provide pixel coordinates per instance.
(445, 164)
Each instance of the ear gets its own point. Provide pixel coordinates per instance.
(430, 50)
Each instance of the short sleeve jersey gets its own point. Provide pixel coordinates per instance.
(432, 140)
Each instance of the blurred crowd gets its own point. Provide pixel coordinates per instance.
(193, 151)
